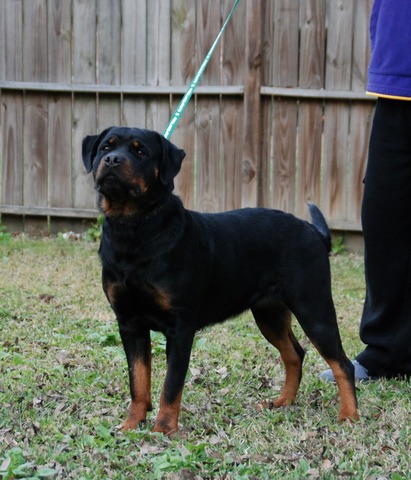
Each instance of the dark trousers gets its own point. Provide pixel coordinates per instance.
(386, 219)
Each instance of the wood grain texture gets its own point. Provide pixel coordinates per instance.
(158, 42)
(84, 123)
(84, 41)
(251, 158)
(59, 41)
(35, 41)
(309, 154)
(360, 129)
(133, 42)
(232, 135)
(284, 158)
(208, 156)
(207, 28)
(285, 43)
(11, 32)
(60, 176)
(335, 159)
(35, 150)
(312, 43)
(12, 114)
(361, 44)
(183, 52)
(108, 33)
(339, 44)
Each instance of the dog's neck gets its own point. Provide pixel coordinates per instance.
(140, 218)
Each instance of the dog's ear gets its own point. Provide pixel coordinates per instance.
(171, 160)
(89, 148)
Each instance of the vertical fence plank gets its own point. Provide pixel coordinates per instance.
(361, 45)
(108, 42)
(11, 117)
(208, 27)
(285, 53)
(12, 134)
(3, 42)
(233, 47)
(285, 127)
(233, 44)
(59, 155)
(84, 41)
(208, 109)
(336, 124)
(59, 106)
(108, 111)
(59, 41)
(310, 128)
(108, 61)
(310, 113)
(84, 106)
(208, 154)
(339, 44)
(84, 123)
(183, 30)
(264, 176)
(360, 129)
(336, 114)
(251, 161)
(285, 74)
(360, 114)
(133, 42)
(232, 135)
(35, 41)
(133, 60)
(35, 150)
(312, 44)
(158, 61)
(12, 34)
(184, 137)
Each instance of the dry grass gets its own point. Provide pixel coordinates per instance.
(63, 389)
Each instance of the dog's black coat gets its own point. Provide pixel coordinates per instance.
(172, 270)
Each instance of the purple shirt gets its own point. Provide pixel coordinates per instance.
(389, 71)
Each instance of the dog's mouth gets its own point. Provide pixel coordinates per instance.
(112, 185)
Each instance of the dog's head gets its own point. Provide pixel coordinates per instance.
(131, 167)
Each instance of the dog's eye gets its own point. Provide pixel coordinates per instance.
(139, 151)
(105, 148)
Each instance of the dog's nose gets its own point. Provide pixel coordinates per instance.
(112, 160)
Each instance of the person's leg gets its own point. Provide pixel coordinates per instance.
(386, 219)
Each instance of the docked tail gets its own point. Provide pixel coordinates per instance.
(320, 224)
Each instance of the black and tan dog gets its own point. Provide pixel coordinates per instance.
(172, 270)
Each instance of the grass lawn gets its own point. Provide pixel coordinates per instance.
(64, 389)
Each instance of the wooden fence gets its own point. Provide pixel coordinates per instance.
(280, 116)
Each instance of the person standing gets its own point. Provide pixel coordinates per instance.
(385, 326)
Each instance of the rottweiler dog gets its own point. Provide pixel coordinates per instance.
(168, 269)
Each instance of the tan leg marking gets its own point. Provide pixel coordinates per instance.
(167, 418)
(141, 398)
(348, 401)
(292, 364)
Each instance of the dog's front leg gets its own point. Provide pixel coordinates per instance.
(137, 345)
(178, 357)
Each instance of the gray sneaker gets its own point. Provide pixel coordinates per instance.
(360, 372)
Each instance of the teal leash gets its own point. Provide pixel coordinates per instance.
(184, 101)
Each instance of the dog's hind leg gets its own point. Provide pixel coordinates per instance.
(274, 321)
(319, 323)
